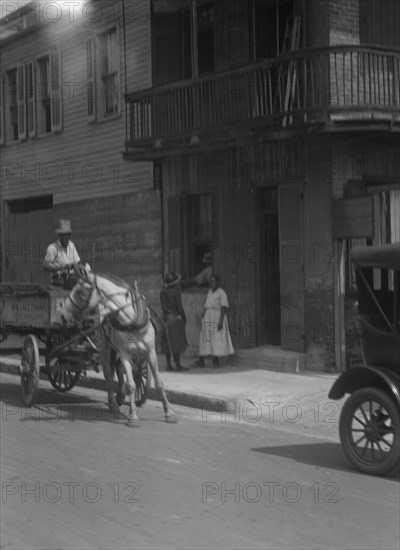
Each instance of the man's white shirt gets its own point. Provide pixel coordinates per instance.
(58, 257)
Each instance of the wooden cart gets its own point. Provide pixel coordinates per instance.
(33, 312)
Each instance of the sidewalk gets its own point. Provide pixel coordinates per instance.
(240, 393)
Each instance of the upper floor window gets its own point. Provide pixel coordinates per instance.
(49, 94)
(14, 95)
(109, 72)
(31, 101)
(103, 94)
(2, 97)
(44, 105)
(91, 94)
(11, 94)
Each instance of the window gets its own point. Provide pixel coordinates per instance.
(110, 72)
(199, 230)
(16, 106)
(44, 108)
(90, 80)
(205, 38)
(11, 93)
(32, 99)
(103, 90)
(1, 109)
(268, 26)
(190, 232)
(49, 94)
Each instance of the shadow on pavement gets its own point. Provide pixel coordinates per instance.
(52, 406)
(322, 455)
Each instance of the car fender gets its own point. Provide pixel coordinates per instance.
(361, 377)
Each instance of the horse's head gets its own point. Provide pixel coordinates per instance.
(83, 298)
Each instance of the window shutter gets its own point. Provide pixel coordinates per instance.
(31, 98)
(21, 99)
(174, 233)
(1, 110)
(55, 91)
(91, 94)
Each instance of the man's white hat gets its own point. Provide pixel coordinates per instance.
(64, 226)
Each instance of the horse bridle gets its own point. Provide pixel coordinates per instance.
(102, 298)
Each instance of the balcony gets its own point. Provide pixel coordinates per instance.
(328, 89)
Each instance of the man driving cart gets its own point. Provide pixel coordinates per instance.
(61, 256)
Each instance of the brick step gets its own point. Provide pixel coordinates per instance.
(270, 358)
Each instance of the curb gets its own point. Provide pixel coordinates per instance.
(197, 401)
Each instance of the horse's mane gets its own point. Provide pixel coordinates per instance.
(116, 280)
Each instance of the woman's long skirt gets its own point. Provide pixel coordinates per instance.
(173, 337)
(213, 341)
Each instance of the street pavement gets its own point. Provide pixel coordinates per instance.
(239, 393)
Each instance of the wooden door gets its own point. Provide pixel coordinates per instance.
(29, 229)
(237, 255)
(269, 306)
(166, 48)
(291, 267)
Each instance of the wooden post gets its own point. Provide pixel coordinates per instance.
(195, 53)
(339, 332)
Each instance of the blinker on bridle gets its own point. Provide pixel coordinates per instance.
(82, 308)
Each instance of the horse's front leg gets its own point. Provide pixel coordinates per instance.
(170, 416)
(133, 419)
(107, 360)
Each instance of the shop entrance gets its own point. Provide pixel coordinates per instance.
(269, 271)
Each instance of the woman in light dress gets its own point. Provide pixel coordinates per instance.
(215, 339)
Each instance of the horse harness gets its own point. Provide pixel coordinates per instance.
(137, 302)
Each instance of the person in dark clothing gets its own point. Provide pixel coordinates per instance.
(173, 339)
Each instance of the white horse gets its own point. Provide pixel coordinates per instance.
(126, 328)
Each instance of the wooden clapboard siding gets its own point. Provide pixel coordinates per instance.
(124, 233)
(93, 150)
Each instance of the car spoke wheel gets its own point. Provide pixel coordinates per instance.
(369, 430)
(29, 369)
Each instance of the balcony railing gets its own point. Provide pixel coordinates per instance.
(314, 85)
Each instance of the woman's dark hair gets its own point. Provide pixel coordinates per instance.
(216, 277)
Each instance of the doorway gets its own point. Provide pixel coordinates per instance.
(28, 231)
(269, 270)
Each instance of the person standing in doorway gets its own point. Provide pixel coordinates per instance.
(173, 338)
(215, 339)
(202, 279)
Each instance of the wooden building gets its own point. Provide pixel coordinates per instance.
(265, 131)
(64, 73)
(273, 126)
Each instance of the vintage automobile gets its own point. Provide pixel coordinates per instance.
(369, 424)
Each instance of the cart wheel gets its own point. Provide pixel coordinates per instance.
(61, 378)
(29, 369)
(369, 429)
(142, 378)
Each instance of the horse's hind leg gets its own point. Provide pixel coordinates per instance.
(170, 416)
(120, 397)
(133, 419)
